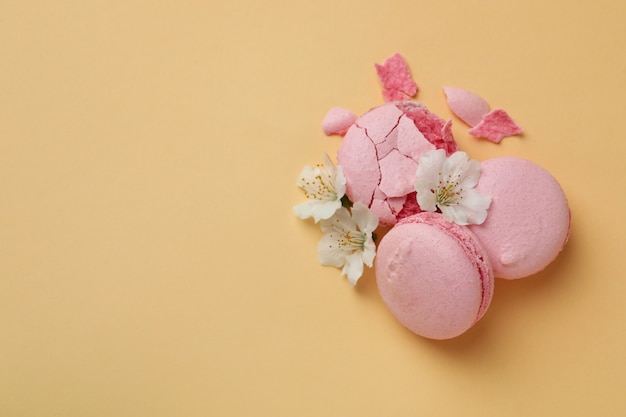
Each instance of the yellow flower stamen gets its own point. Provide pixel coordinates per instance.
(448, 192)
(321, 187)
(348, 240)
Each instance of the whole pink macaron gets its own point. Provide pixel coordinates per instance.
(433, 276)
(528, 222)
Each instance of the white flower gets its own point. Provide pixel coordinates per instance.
(348, 241)
(448, 184)
(324, 186)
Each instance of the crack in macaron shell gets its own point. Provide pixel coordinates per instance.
(389, 136)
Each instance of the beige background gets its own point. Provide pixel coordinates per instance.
(150, 264)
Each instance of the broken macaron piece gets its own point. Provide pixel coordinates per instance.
(495, 126)
(337, 121)
(467, 106)
(472, 109)
(395, 76)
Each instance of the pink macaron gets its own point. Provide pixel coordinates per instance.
(379, 155)
(433, 276)
(529, 220)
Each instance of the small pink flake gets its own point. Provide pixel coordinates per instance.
(397, 174)
(468, 106)
(337, 121)
(495, 126)
(396, 78)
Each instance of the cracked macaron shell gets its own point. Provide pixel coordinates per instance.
(379, 155)
(434, 276)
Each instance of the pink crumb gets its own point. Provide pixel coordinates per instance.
(495, 126)
(396, 78)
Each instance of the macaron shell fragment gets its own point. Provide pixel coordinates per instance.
(528, 222)
(436, 130)
(397, 174)
(467, 106)
(395, 76)
(357, 157)
(337, 121)
(495, 126)
(410, 141)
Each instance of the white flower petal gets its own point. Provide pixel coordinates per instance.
(319, 211)
(347, 240)
(340, 183)
(328, 163)
(324, 186)
(448, 184)
(457, 159)
(341, 220)
(353, 268)
(430, 165)
(369, 252)
(325, 210)
(336, 172)
(476, 205)
(455, 213)
(304, 210)
(364, 218)
(456, 168)
(425, 197)
(307, 172)
(471, 175)
(328, 253)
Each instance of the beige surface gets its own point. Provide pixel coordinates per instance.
(150, 264)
